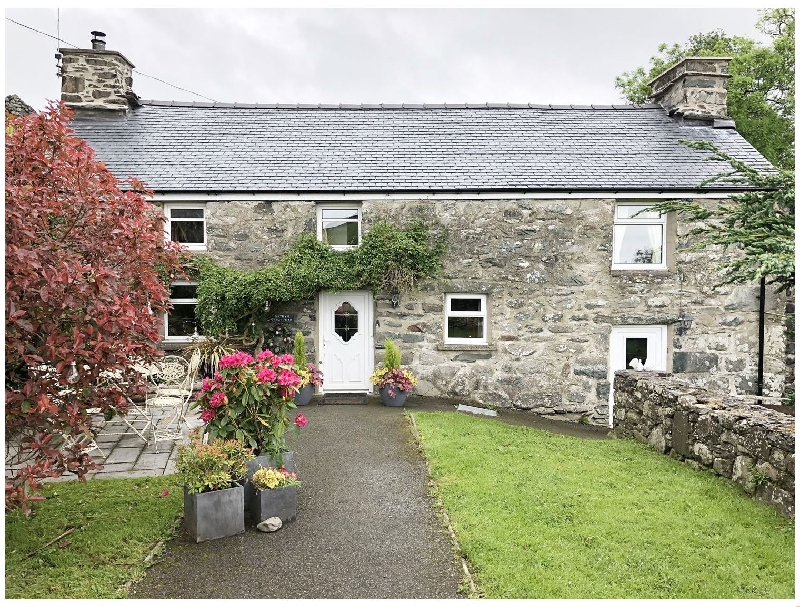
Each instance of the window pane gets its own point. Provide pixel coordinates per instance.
(627, 211)
(465, 328)
(465, 305)
(188, 231)
(339, 233)
(186, 213)
(183, 292)
(637, 244)
(340, 214)
(181, 320)
(635, 347)
(345, 321)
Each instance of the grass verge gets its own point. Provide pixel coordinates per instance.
(540, 515)
(115, 524)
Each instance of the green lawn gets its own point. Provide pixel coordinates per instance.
(116, 523)
(540, 515)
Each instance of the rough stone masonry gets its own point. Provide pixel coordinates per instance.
(749, 444)
(552, 298)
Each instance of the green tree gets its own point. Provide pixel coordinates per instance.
(761, 86)
(759, 222)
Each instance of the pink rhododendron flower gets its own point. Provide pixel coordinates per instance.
(208, 384)
(266, 375)
(218, 399)
(300, 420)
(240, 359)
(288, 377)
(207, 415)
(287, 359)
(264, 355)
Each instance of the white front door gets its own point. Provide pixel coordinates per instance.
(647, 343)
(347, 352)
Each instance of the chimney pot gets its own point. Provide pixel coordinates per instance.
(98, 44)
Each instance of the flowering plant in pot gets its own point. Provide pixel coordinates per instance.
(310, 376)
(249, 400)
(393, 382)
(275, 494)
(213, 499)
(213, 466)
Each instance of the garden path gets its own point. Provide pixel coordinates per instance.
(365, 525)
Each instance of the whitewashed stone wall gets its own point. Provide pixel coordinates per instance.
(553, 298)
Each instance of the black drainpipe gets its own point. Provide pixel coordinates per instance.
(761, 318)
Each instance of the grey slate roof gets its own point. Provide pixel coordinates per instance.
(268, 148)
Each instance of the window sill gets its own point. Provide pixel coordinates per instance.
(638, 271)
(467, 347)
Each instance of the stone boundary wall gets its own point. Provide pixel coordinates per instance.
(749, 444)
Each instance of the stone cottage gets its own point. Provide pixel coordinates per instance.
(551, 281)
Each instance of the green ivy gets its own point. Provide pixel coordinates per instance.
(236, 301)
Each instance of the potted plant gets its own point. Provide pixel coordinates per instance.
(275, 494)
(213, 496)
(250, 400)
(393, 382)
(310, 376)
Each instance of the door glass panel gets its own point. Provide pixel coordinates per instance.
(345, 321)
(635, 347)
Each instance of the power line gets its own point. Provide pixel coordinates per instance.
(135, 70)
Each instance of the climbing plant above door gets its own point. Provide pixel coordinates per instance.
(388, 259)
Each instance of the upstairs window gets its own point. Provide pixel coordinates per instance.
(186, 224)
(339, 226)
(180, 322)
(465, 319)
(639, 242)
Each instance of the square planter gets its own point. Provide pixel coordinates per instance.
(281, 502)
(215, 514)
(262, 461)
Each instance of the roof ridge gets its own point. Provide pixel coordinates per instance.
(394, 106)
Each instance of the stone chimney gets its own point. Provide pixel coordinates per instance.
(96, 79)
(694, 90)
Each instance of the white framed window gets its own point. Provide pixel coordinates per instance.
(180, 322)
(186, 224)
(339, 226)
(639, 242)
(466, 319)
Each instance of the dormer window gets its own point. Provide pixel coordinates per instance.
(339, 226)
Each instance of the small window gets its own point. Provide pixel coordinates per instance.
(180, 322)
(339, 226)
(465, 319)
(640, 241)
(186, 224)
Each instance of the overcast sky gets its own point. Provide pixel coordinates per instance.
(363, 55)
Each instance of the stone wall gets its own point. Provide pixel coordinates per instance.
(749, 444)
(552, 296)
(695, 88)
(95, 79)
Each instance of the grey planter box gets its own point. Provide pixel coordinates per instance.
(280, 502)
(215, 514)
(262, 461)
